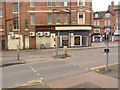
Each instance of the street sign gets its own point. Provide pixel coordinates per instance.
(106, 50)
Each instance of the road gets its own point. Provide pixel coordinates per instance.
(54, 69)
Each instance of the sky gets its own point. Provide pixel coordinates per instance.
(102, 5)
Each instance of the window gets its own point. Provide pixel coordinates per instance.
(96, 15)
(32, 4)
(107, 30)
(98, 23)
(105, 22)
(94, 22)
(108, 22)
(49, 18)
(26, 24)
(49, 3)
(116, 20)
(65, 18)
(96, 30)
(32, 19)
(15, 7)
(65, 2)
(15, 24)
(116, 13)
(57, 18)
(1, 26)
(80, 2)
(80, 18)
(107, 15)
(57, 2)
(1, 13)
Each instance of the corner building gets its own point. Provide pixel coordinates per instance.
(41, 22)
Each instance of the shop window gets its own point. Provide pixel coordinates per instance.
(15, 7)
(49, 18)
(15, 24)
(49, 2)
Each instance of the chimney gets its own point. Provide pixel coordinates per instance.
(112, 6)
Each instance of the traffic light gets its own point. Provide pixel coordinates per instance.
(107, 37)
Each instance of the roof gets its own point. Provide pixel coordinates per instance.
(100, 14)
(116, 7)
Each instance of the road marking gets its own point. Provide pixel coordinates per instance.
(27, 83)
(38, 74)
(34, 71)
(98, 67)
(74, 64)
(86, 69)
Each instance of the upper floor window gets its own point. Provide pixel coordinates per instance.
(81, 18)
(116, 20)
(116, 13)
(98, 23)
(57, 18)
(26, 24)
(32, 19)
(1, 27)
(57, 2)
(49, 2)
(107, 15)
(80, 3)
(108, 22)
(65, 18)
(96, 15)
(1, 13)
(15, 7)
(65, 2)
(49, 18)
(94, 22)
(105, 22)
(15, 24)
(97, 30)
(32, 4)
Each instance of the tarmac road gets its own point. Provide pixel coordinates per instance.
(54, 69)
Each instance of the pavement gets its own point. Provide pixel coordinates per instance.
(8, 61)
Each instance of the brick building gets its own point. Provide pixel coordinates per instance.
(104, 22)
(117, 22)
(41, 22)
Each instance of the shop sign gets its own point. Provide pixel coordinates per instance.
(45, 28)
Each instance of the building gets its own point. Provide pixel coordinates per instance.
(117, 22)
(41, 22)
(104, 22)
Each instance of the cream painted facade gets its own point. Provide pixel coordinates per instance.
(14, 41)
(44, 40)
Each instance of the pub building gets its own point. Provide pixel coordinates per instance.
(41, 22)
(69, 35)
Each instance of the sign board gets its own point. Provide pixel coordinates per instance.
(45, 28)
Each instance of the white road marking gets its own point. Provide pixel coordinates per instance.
(41, 78)
(38, 74)
(34, 71)
(86, 68)
(74, 64)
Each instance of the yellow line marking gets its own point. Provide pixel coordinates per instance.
(27, 83)
(94, 68)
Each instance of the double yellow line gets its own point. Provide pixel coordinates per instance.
(28, 83)
(98, 67)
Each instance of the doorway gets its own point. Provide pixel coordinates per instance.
(26, 42)
(77, 40)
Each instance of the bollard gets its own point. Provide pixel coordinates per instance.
(65, 50)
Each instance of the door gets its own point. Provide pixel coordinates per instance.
(65, 40)
(77, 40)
(26, 42)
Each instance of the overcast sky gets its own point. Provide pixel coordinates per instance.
(102, 5)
